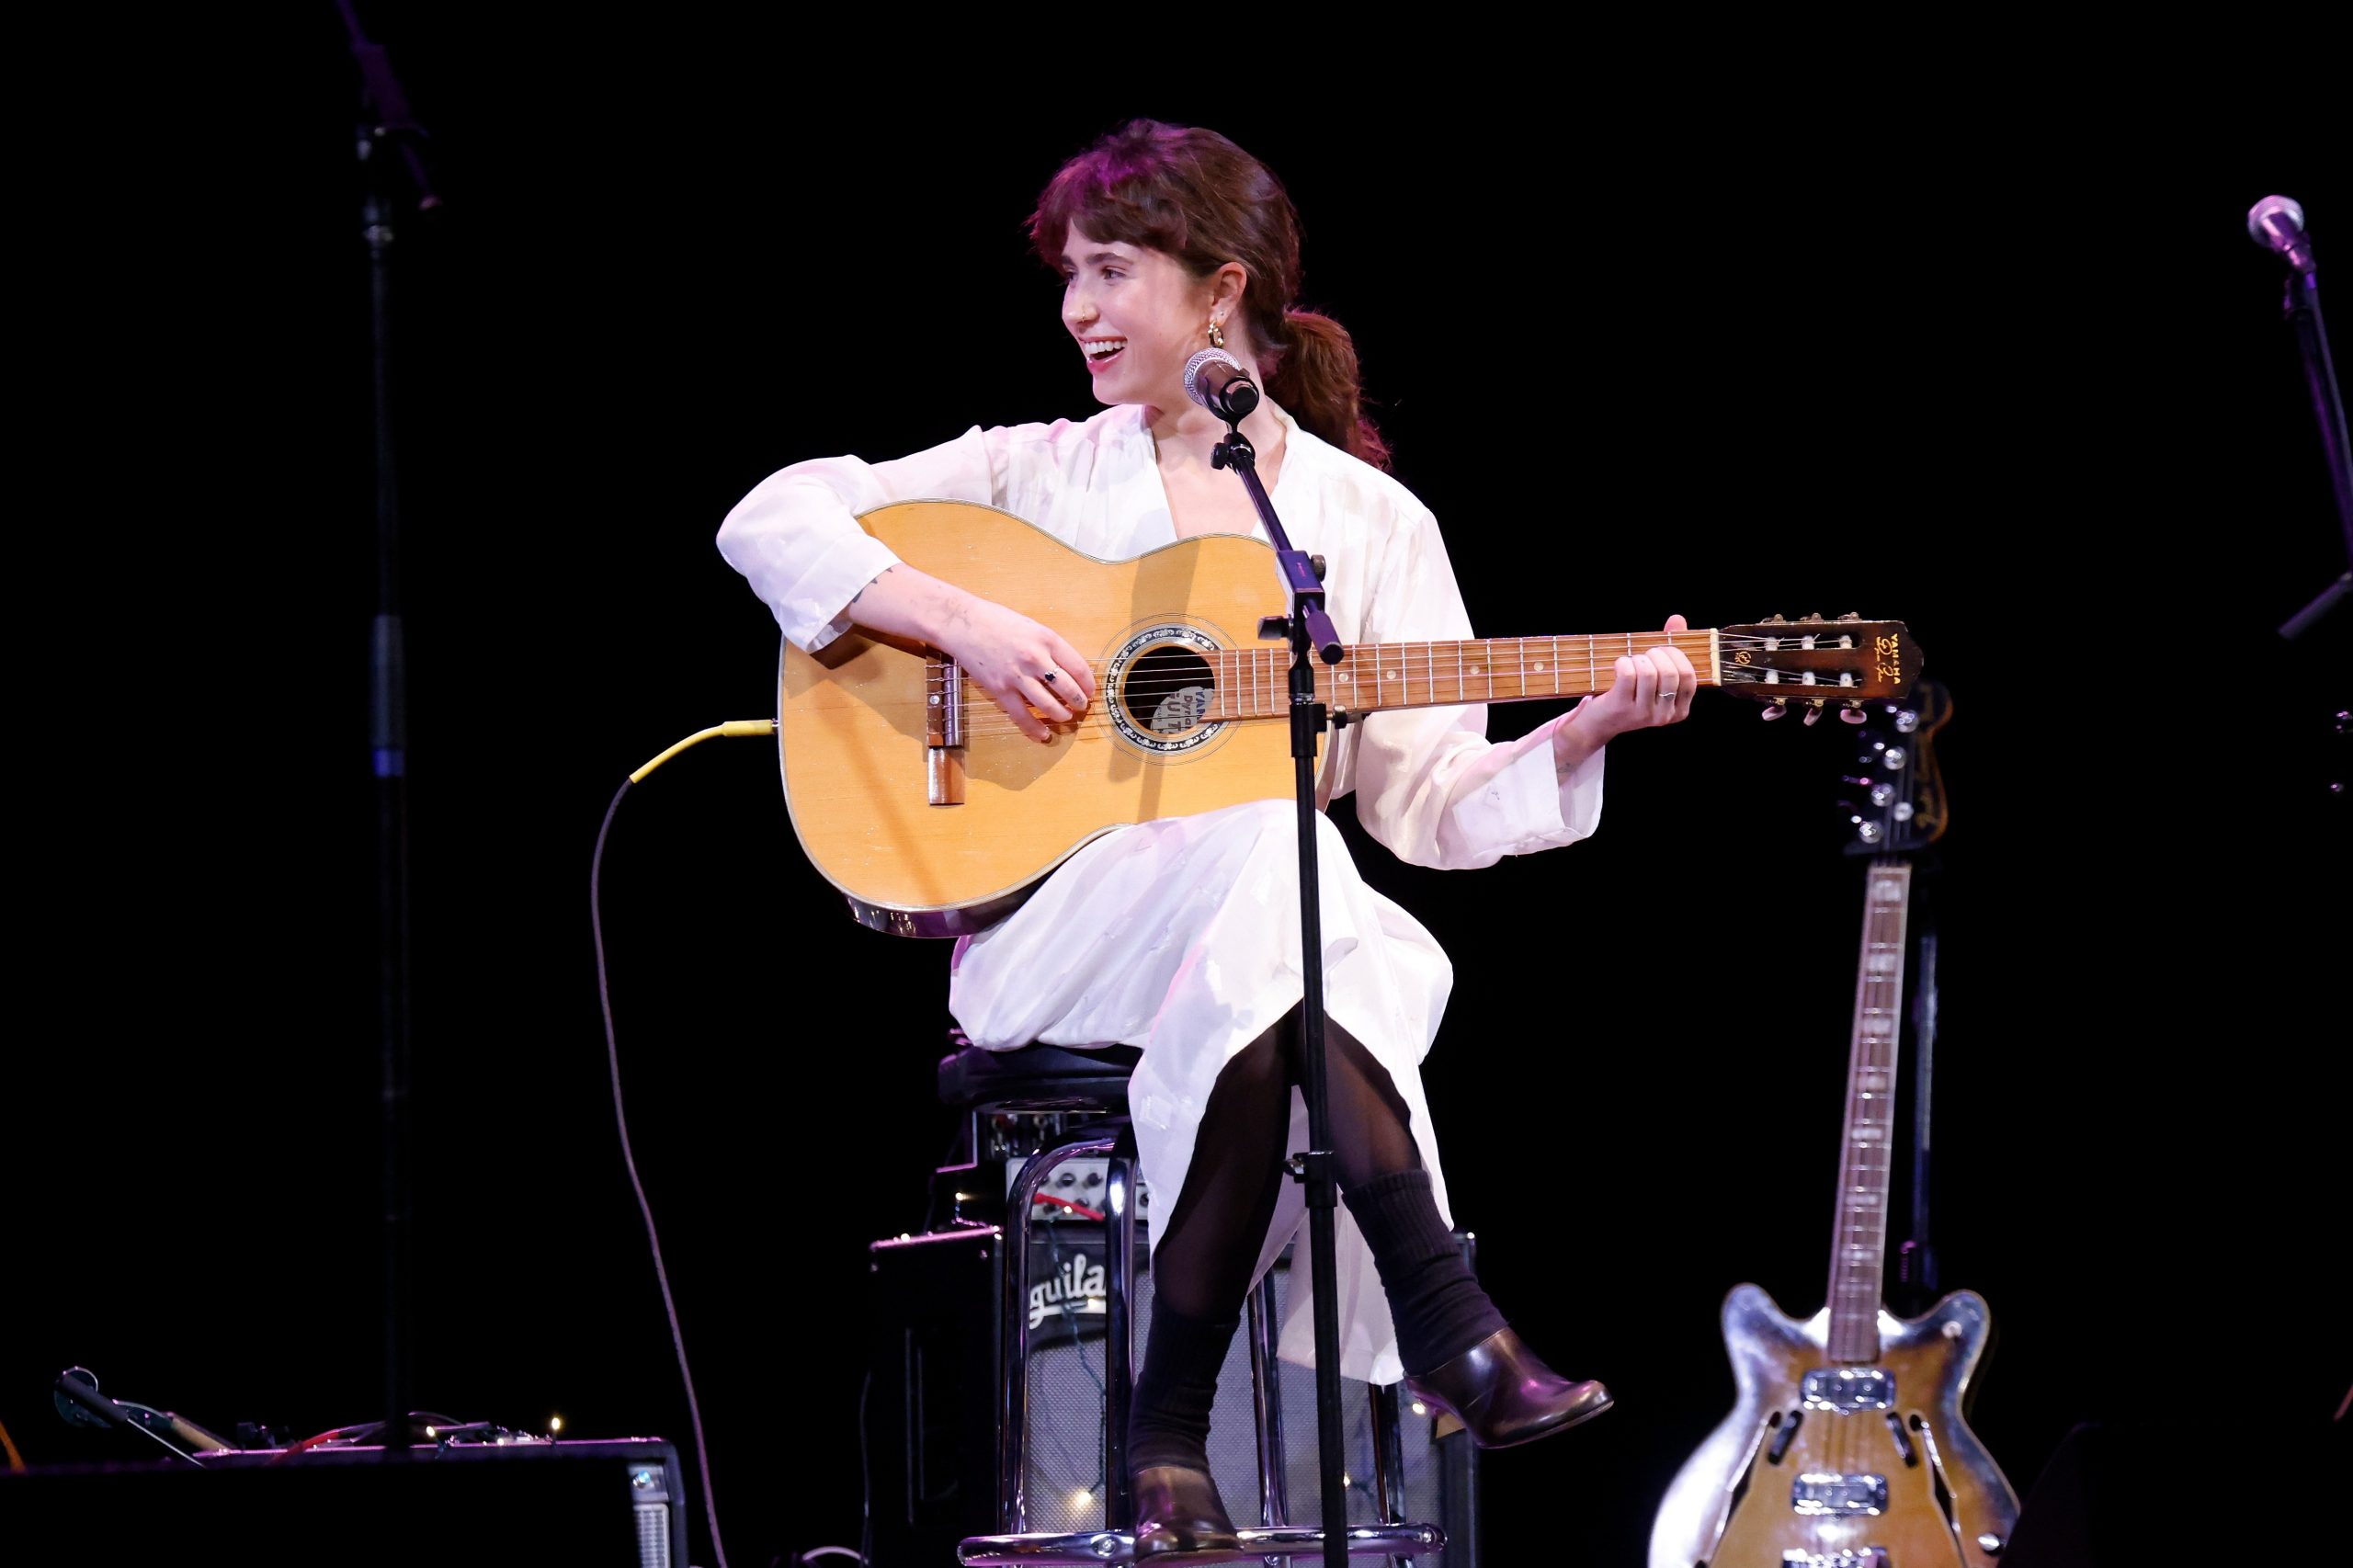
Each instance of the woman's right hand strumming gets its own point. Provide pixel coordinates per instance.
(1023, 665)
(1035, 676)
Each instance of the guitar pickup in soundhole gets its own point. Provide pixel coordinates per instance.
(1817, 1494)
(1849, 1388)
(943, 732)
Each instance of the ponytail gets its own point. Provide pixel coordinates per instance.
(1317, 379)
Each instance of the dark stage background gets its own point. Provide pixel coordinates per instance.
(2001, 364)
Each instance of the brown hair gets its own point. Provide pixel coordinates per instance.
(1195, 196)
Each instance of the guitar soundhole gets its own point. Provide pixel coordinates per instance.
(1167, 688)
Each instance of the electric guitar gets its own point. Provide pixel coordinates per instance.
(913, 793)
(1846, 1447)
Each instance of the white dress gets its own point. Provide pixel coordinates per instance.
(1181, 936)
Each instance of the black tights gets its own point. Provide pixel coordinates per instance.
(1203, 1264)
(1202, 1267)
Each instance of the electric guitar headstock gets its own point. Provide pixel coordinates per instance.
(1897, 805)
(1810, 664)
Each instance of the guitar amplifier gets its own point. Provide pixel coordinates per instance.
(619, 1504)
(933, 1404)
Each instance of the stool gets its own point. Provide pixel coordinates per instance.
(1089, 1087)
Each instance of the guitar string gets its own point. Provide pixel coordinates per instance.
(1157, 687)
(1277, 668)
(1244, 661)
(998, 724)
(1871, 993)
(1851, 1451)
(1154, 689)
(991, 720)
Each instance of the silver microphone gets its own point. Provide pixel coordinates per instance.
(2275, 223)
(1219, 382)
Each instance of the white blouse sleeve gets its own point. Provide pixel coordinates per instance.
(1428, 783)
(796, 537)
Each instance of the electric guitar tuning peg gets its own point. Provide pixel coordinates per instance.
(1774, 710)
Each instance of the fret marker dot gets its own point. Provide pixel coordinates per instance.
(1392, 674)
(1536, 666)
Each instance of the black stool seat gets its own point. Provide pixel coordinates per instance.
(1037, 1077)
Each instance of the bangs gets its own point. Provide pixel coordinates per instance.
(1129, 200)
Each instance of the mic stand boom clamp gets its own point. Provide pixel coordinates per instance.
(1309, 632)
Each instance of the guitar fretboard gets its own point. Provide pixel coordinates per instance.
(1858, 1241)
(1254, 683)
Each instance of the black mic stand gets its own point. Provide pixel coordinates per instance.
(1309, 632)
(2301, 306)
(386, 129)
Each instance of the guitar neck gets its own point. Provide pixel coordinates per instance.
(1254, 683)
(1859, 1240)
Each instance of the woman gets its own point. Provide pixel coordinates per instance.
(1181, 936)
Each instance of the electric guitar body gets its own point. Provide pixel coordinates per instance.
(1845, 1471)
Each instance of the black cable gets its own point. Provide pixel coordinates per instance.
(620, 1120)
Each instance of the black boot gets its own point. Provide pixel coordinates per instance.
(1503, 1396)
(1177, 1509)
(1459, 1353)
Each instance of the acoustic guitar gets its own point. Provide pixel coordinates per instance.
(913, 793)
(1846, 1447)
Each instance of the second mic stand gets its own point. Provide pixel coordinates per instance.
(2302, 307)
(1309, 632)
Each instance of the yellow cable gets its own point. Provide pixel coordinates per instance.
(16, 1460)
(733, 729)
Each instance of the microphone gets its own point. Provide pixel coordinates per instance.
(75, 1394)
(78, 1401)
(1217, 380)
(2275, 223)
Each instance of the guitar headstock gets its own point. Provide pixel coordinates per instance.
(1899, 801)
(1814, 663)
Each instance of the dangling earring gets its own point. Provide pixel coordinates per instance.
(1217, 334)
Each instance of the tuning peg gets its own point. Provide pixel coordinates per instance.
(1774, 710)
(1813, 714)
(1853, 714)
(1814, 619)
(1774, 620)
(1850, 615)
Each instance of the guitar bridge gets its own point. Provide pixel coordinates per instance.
(943, 732)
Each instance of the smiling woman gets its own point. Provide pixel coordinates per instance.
(1180, 935)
